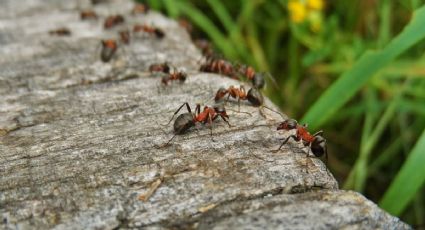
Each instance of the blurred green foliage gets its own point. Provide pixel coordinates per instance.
(355, 69)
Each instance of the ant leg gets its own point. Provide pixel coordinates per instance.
(263, 106)
(178, 110)
(210, 123)
(168, 142)
(197, 109)
(318, 133)
(227, 99)
(285, 141)
(225, 119)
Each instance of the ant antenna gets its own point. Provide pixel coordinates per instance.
(263, 106)
(239, 111)
(269, 76)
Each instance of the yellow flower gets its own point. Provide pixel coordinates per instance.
(297, 11)
(315, 4)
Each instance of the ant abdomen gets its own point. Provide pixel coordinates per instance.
(255, 97)
(183, 123)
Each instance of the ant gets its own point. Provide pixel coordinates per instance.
(316, 142)
(183, 22)
(257, 79)
(162, 67)
(113, 20)
(187, 120)
(125, 36)
(140, 8)
(149, 29)
(177, 75)
(109, 47)
(60, 32)
(88, 14)
(221, 66)
(205, 47)
(253, 95)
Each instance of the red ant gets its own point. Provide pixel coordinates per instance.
(183, 22)
(149, 29)
(162, 67)
(60, 32)
(187, 120)
(205, 47)
(140, 8)
(177, 75)
(253, 95)
(316, 142)
(113, 20)
(88, 14)
(109, 47)
(125, 36)
(257, 79)
(220, 66)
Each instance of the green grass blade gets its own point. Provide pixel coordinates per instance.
(407, 182)
(170, 6)
(222, 14)
(351, 81)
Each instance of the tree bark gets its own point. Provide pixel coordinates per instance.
(81, 141)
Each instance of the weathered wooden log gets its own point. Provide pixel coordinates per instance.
(81, 141)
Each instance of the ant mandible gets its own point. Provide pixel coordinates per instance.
(187, 120)
(253, 96)
(109, 47)
(316, 142)
(149, 29)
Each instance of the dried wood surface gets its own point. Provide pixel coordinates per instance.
(80, 139)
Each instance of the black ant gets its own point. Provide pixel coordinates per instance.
(125, 36)
(316, 142)
(109, 47)
(176, 75)
(253, 96)
(162, 67)
(113, 20)
(88, 14)
(187, 120)
(149, 29)
(60, 32)
(140, 8)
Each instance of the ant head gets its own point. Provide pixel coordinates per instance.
(258, 80)
(255, 97)
(288, 124)
(221, 110)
